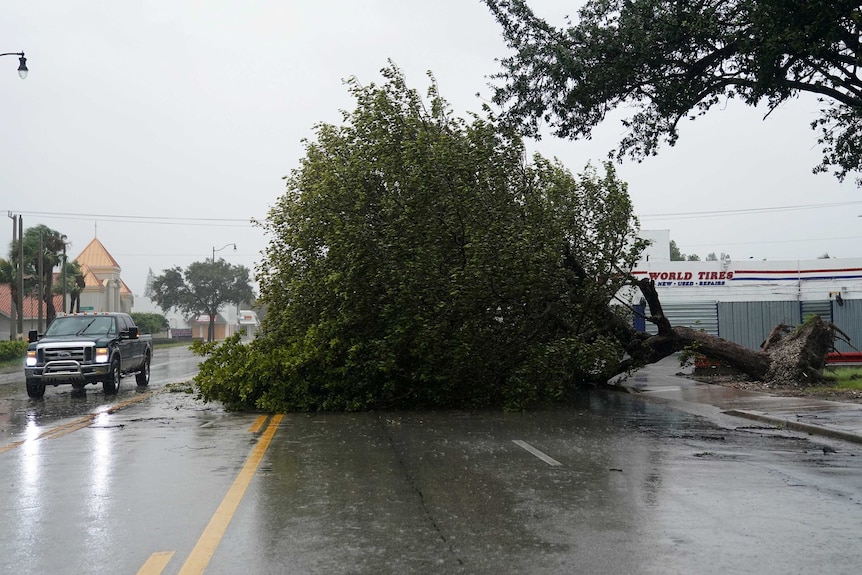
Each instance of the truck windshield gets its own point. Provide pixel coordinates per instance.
(80, 326)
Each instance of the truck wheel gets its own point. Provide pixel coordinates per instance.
(110, 385)
(35, 388)
(143, 376)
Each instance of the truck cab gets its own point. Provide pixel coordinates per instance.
(79, 349)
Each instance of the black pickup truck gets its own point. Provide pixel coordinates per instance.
(87, 348)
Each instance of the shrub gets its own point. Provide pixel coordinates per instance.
(12, 350)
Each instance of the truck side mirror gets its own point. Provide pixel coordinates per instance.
(32, 336)
(133, 333)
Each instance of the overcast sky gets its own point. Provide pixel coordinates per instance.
(162, 127)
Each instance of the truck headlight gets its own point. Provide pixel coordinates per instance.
(101, 355)
(31, 358)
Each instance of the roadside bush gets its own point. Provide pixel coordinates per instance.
(150, 322)
(11, 350)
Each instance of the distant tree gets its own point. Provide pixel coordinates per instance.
(148, 286)
(675, 254)
(76, 289)
(670, 61)
(150, 322)
(711, 257)
(203, 289)
(51, 255)
(74, 285)
(7, 272)
(8, 277)
(823, 257)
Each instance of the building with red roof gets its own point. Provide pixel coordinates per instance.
(104, 291)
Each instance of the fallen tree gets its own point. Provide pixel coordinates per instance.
(789, 353)
(421, 260)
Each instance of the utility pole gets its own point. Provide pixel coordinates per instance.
(65, 287)
(40, 273)
(13, 306)
(20, 275)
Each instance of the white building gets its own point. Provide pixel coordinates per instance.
(743, 300)
(104, 289)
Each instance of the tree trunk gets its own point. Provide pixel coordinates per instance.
(788, 355)
(50, 310)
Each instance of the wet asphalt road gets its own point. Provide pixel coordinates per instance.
(152, 481)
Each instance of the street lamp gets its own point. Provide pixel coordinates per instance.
(13, 307)
(22, 63)
(221, 248)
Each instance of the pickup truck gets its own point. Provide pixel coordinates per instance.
(85, 348)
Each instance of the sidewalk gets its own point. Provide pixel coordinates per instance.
(667, 381)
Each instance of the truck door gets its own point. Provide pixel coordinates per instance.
(130, 349)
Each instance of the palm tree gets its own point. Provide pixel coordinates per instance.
(74, 285)
(7, 277)
(41, 243)
(8, 273)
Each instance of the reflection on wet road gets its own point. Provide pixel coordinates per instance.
(613, 484)
(17, 411)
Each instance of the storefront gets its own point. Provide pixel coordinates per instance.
(742, 301)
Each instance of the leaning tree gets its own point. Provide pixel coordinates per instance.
(419, 259)
(668, 60)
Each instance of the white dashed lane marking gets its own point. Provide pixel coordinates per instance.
(544, 457)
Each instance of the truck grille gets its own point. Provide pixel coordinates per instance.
(70, 353)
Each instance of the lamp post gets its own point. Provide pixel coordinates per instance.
(17, 257)
(13, 307)
(21, 275)
(22, 63)
(65, 280)
(221, 248)
(214, 253)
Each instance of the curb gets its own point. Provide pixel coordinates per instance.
(797, 426)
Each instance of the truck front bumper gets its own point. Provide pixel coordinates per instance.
(57, 372)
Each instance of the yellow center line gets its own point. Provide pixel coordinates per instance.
(60, 433)
(205, 547)
(156, 563)
(12, 446)
(81, 422)
(258, 424)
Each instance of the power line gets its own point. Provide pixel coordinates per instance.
(752, 242)
(161, 220)
(243, 222)
(736, 212)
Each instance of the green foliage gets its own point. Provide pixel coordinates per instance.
(74, 278)
(41, 243)
(150, 322)
(416, 259)
(675, 254)
(203, 288)
(12, 350)
(671, 61)
(808, 318)
(689, 354)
